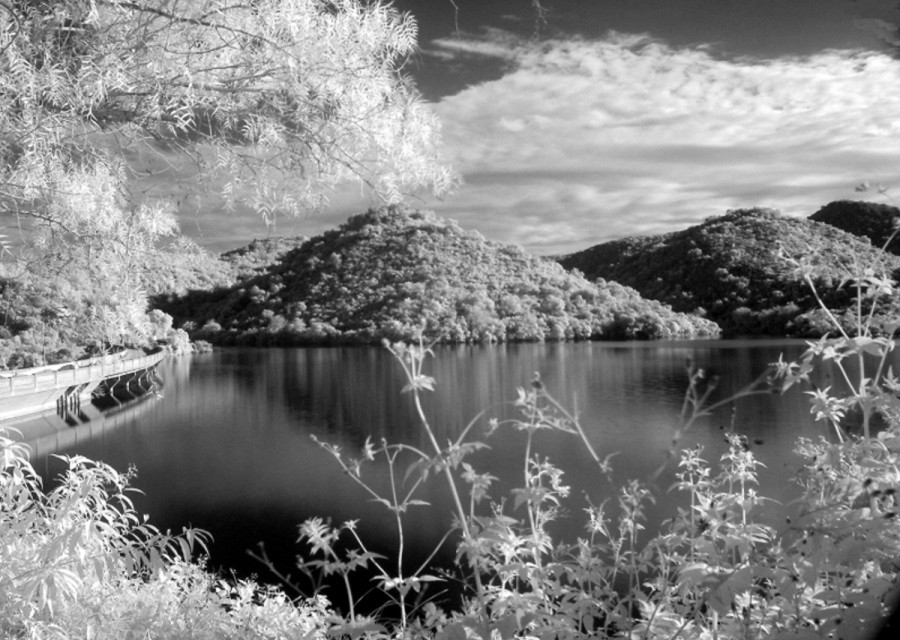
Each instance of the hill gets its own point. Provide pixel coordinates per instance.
(871, 220)
(199, 270)
(258, 256)
(389, 272)
(740, 270)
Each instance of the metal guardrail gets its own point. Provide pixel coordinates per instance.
(21, 383)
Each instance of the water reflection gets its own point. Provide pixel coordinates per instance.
(228, 448)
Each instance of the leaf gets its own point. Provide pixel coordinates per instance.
(356, 629)
(506, 627)
(417, 382)
(851, 552)
(453, 631)
(422, 467)
(796, 634)
(695, 574)
(430, 578)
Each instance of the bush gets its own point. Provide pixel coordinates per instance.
(79, 562)
(160, 324)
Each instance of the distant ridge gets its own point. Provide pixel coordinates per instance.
(871, 220)
(260, 255)
(736, 270)
(390, 272)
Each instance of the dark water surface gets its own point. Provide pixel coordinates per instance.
(227, 446)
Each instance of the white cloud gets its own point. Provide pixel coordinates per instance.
(589, 140)
(496, 43)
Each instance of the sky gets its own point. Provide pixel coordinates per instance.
(599, 119)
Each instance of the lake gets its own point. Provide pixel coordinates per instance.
(226, 444)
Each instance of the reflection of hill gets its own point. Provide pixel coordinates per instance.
(740, 270)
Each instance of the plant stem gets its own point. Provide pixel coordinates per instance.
(400, 537)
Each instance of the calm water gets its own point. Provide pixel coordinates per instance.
(227, 446)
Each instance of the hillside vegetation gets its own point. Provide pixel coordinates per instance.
(206, 271)
(871, 220)
(391, 272)
(257, 257)
(743, 270)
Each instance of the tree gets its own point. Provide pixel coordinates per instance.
(270, 102)
(280, 99)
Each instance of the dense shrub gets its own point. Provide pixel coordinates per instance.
(47, 320)
(79, 562)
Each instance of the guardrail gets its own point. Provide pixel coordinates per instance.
(24, 383)
(30, 390)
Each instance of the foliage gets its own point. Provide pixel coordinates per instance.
(106, 106)
(385, 273)
(43, 324)
(736, 268)
(84, 272)
(79, 562)
(871, 220)
(259, 256)
(204, 271)
(180, 266)
(719, 569)
(285, 97)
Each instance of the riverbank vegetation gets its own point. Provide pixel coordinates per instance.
(391, 272)
(80, 563)
(738, 271)
(76, 303)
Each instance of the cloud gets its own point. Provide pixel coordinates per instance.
(584, 141)
(883, 30)
(493, 43)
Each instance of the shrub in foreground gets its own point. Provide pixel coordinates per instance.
(717, 570)
(78, 562)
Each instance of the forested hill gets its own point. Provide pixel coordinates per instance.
(739, 270)
(871, 220)
(388, 272)
(258, 256)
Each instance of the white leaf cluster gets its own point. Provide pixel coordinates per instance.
(280, 100)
